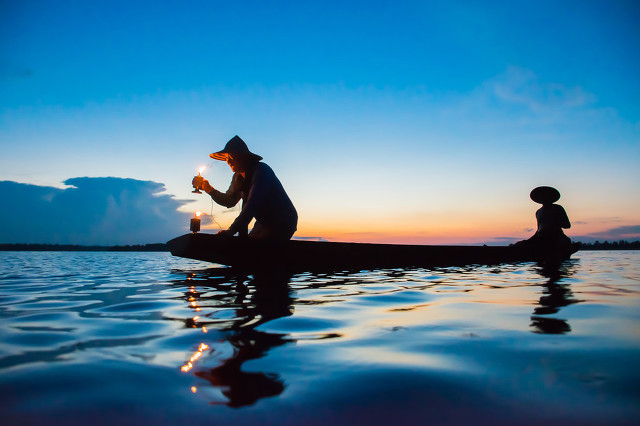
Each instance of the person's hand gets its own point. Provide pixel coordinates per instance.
(225, 233)
(206, 187)
(201, 183)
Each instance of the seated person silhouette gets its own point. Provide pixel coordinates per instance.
(263, 196)
(551, 218)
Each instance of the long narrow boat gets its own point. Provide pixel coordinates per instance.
(298, 255)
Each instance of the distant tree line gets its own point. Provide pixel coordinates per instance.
(70, 247)
(597, 245)
(615, 245)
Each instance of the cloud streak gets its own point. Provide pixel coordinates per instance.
(102, 211)
(521, 87)
(629, 233)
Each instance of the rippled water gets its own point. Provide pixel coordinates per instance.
(125, 338)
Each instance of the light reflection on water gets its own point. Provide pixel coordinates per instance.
(84, 332)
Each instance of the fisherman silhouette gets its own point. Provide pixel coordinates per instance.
(551, 219)
(263, 196)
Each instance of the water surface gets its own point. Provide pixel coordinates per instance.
(124, 338)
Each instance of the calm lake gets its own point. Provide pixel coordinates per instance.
(146, 338)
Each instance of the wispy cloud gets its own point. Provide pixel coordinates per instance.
(309, 238)
(521, 87)
(630, 233)
(91, 211)
(502, 241)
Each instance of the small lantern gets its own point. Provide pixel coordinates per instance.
(197, 188)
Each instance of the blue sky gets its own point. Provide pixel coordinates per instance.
(385, 121)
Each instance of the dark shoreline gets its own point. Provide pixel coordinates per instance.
(158, 247)
(70, 247)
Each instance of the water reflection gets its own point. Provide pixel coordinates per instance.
(254, 301)
(555, 295)
(82, 334)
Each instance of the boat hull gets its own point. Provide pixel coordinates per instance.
(296, 255)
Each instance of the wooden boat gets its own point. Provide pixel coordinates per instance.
(299, 256)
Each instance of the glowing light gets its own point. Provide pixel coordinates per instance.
(198, 214)
(194, 304)
(201, 169)
(196, 356)
(194, 389)
(204, 329)
(196, 318)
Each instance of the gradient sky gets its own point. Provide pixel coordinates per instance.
(395, 121)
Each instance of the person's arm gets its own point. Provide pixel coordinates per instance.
(227, 199)
(262, 181)
(564, 219)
